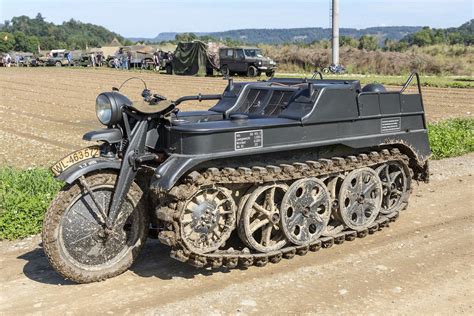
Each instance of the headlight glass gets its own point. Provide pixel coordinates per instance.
(103, 109)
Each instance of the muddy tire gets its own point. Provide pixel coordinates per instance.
(225, 71)
(270, 73)
(252, 71)
(84, 265)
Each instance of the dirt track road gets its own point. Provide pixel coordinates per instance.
(421, 264)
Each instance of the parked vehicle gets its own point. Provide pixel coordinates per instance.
(334, 69)
(247, 61)
(141, 56)
(275, 168)
(57, 57)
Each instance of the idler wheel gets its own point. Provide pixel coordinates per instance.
(360, 198)
(260, 226)
(207, 219)
(305, 211)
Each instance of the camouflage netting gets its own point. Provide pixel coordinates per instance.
(191, 58)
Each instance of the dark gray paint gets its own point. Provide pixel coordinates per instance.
(321, 113)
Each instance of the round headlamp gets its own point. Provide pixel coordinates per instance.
(103, 108)
(108, 107)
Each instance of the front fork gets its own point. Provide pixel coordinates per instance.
(131, 160)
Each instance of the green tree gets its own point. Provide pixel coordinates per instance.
(348, 41)
(7, 42)
(455, 38)
(368, 42)
(423, 37)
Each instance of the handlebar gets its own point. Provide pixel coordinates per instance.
(199, 97)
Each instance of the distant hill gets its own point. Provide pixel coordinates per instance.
(304, 35)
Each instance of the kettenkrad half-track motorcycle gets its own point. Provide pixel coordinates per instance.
(274, 169)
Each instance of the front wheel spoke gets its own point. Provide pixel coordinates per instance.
(84, 237)
(101, 215)
(85, 218)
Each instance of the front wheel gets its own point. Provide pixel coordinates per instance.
(82, 249)
(252, 71)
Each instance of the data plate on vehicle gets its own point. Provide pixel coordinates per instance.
(75, 157)
(248, 139)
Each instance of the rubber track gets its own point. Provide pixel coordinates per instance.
(174, 200)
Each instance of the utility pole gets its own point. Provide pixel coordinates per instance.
(335, 32)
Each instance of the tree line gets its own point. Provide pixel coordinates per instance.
(30, 34)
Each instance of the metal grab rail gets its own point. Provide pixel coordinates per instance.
(410, 79)
(317, 73)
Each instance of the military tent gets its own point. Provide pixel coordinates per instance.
(191, 58)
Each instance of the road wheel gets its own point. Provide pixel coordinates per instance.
(260, 226)
(252, 71)
(82, 249)
(225, 71)
(58, 64)
(270, 73)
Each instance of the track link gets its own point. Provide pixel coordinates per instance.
(171, 203)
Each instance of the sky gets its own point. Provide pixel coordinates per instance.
(147, 18)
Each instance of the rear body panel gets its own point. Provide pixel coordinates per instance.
(286, 115)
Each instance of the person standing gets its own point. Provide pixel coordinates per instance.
(156, 60)
(124, 61)
(129, 59)
(99, 59)
(8, 58)
(69, 59)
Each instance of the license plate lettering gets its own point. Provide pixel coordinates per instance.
(74, 158)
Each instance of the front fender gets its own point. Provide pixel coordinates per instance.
(84, 167)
